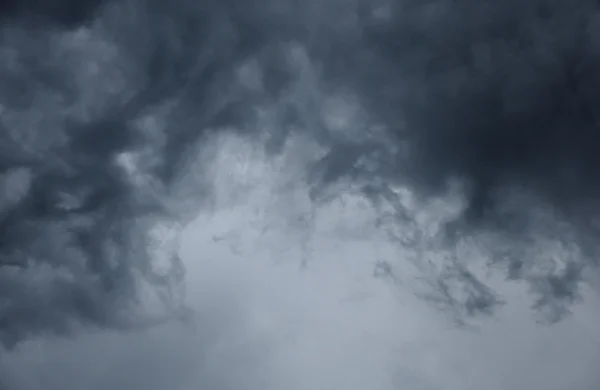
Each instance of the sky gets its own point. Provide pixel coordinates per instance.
(263, 321)
(299, 195)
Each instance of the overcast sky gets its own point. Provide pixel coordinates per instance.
(364, 197)
(265, 323)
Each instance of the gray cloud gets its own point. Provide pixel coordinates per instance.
(113, 112)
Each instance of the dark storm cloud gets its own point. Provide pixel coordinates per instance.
(73, 221)
(68, 13)
(498, 94)
(502, 96)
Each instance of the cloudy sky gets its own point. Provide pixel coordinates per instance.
(265, 322)
(383, 195)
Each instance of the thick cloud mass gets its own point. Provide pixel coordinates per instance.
(65, 13)
(506, 100)
(104, 105)
(74, 216)
(500, 98)
(496, 94)
(467, 129)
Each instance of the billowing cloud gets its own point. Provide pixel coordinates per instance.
(462, 135)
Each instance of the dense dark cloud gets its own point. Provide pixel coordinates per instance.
(68, 13)
(501, 97)
(74, 221)
(498, 95)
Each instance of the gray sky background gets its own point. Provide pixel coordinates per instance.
(349, 220)
(264, 323)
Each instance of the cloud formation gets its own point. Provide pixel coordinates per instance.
(108, 107)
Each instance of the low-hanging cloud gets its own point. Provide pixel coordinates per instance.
(83, 183)
(499, 98)
(469, 128)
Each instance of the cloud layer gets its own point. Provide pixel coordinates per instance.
(444, 149)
